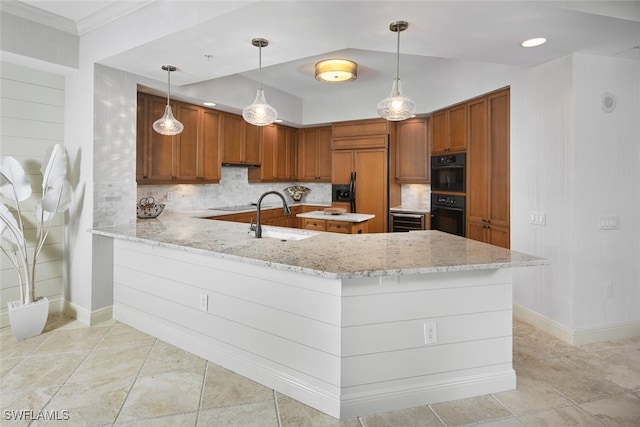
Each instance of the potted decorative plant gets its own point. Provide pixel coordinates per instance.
(29, 315)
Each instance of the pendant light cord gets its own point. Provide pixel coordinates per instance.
(260, 66)
(169, 84)
(398, 56)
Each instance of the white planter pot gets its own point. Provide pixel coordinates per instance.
(28, 320)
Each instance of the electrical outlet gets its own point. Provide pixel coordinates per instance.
(169, 196)
(538, 218)
(204, 302)
(430, 333)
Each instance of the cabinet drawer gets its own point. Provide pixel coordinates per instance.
(314, 224)
(339, 227)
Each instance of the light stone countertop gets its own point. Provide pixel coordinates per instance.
(347, 217)
(411, 208)
(332, 255)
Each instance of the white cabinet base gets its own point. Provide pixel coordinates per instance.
(348, 347)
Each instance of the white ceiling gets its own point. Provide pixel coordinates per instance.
(302, 32)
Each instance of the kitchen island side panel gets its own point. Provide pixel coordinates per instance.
(278, 328)
(388, 359)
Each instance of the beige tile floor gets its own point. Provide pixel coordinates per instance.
(111, 374)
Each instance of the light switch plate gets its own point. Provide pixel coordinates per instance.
(609, 223)
(538, 218)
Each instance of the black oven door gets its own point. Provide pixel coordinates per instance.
(449, 220)
(448, 213)
(448, 173)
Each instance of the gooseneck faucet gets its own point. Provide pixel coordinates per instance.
(257, 228)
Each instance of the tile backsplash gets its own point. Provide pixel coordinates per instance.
(232, 190)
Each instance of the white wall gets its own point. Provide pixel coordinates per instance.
(577, 163)
(32, 120)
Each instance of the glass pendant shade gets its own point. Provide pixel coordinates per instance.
(260, 113)
(167, 124)
(396, 106)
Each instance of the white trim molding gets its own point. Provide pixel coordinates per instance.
(89, 318)
(576, 337)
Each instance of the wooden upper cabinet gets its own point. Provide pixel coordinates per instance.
(210, 154)
(314, 154)
(161, 150)
(277, 161)
(189, 157)
(449, 130)
(358, 128)
(188, 165)
(240, 141)
(412, 151)
(285, 153)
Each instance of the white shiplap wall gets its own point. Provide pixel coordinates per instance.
(31, 120)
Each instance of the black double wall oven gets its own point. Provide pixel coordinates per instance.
(448, 185)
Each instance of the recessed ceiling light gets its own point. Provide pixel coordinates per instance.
(209, 104)
(534, 42)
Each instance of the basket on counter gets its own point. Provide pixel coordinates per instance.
(148, 208)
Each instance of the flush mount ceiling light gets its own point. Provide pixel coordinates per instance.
(336, 70)
(538, 41)
(260, 113)
(167, 124)
(397, 107)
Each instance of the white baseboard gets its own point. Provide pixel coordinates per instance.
(89, 318)
(576, 337)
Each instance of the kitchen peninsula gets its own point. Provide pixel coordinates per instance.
(348, 324)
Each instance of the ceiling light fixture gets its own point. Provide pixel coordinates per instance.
(336, 70)
(397, 107)
(167, 124)
(538, 41)
(260, 113)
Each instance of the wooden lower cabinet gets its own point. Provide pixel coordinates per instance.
(334, 226)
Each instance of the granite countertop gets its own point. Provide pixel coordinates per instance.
(347, 217)
(325, 254)
(411, 208)
(249, 207)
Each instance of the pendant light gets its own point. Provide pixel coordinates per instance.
(167, 124)
(396, 106)
(260, 113)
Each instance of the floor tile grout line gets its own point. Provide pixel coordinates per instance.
(437, 416)
(275, 402)
(133, 383)
(204, 382)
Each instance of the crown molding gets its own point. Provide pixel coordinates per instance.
(114, 11)
(26, 11)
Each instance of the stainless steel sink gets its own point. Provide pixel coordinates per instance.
(286, 233)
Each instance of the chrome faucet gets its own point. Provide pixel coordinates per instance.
(257, 227)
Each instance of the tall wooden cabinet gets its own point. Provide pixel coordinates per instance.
(488, 187)
(189, 157)
(314, 154)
